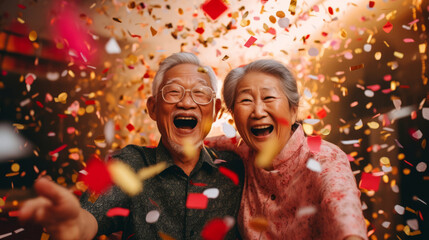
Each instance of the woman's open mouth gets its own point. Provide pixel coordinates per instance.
(262, 130)
(185, 122)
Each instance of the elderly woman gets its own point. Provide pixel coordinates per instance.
(286, 199)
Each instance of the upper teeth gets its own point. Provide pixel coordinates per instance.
(185, 118)
(262, 126)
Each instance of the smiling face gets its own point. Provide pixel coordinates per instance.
(185, 121)
(260, 110)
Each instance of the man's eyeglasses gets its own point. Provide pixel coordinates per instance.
(173, 93)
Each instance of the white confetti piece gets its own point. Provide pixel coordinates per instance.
(18, 230)
(364, 206)
(399, 209)
(369, 93)
(112, 46)
(109, 131)
(395, 188)
(397, 103)
(367, 47)
(12, 143)
(52, 76)
(283, 22)
(5, 235)
(350, 142)
(313, 52)
(314, 165)
(307, 210)
(211, 192)
(417, 134)
(413, 223)
(229, 221)
(385, 224)
(152, 216)
(425, 113)
(386, 169)
(421, 167)
(229, 130)
(311, 121)
(24, 102)
(307, 93)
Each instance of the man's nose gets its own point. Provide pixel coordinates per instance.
(187, 101)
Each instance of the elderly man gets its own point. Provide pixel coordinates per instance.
(184, 106)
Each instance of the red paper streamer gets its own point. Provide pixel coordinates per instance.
(229, 174)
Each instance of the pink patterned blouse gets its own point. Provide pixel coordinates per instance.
(297, 202)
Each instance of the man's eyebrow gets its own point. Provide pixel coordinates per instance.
(173, 80)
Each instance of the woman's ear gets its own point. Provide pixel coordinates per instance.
(151, 107)
(294, 114)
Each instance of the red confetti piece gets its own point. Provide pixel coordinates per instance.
(388, 27)
(249, 42)
(98, 178)
(314, 143)
(199, 30)
(13, 213)
(117, 211)
(408, 40)
(229, 174)
(39, 104)
(141, 87)
(197, 184)
(58, 149)
(130, 127)
(214, 8)
(371, 4)
(387, 77)
(22, 6)
(374, 87)
(90, 102)
(272, 31)
(353, 68)
(324, 34)
(330, 10)
(29, 79)
(369, 181)
(62, 116)
(283, 121)
(197, 201)
(105, 70)
(215, 229)
(321, 113)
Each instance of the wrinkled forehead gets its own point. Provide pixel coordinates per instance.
(188, 74)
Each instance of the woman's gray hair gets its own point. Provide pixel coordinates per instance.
(268, 66)
(176, 59)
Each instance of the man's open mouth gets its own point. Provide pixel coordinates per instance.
(185, 122)
(262, 130)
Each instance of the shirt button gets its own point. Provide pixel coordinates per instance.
(273, 197)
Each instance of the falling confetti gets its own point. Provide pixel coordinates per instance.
(123, 212)
(214, 8)
(196, 201)
(125, 178)
(215, 229)
(250, 41)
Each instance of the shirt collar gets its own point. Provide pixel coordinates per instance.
(163, 155)
(295, 142)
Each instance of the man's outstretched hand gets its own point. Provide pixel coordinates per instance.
(59, 211)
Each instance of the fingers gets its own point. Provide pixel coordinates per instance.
(50, 190)
(30, 208)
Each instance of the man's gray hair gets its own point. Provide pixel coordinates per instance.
(176, 59)
(268, 66)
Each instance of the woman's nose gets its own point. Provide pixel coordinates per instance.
(259, 110)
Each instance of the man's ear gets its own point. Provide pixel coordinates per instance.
(151, 107)
(218, 106)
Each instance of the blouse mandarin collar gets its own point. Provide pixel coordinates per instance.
(287, 154)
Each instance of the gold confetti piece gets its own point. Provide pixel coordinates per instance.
(90, 109)
(422, 48)
(180, 10)
(44, 236)
(343, 33)
(164, 236)
(153, 31)
(62, 97)
(280, 14)
(258, 224)
(32, 36)
(353, 68)
(151, 171)
(189, 148)
(398, 54)
(123, 176)
(244, 23)
(386, 44)
(385, 160)
(325, 131)
(272, 19)
(225, 58)
(18, 126)
(20, 20)
(15, 167)
(373, 125)
(377, 56)
(269, 151)
(308, 128)
(71, 73)
(202, 70)
(292, 7)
